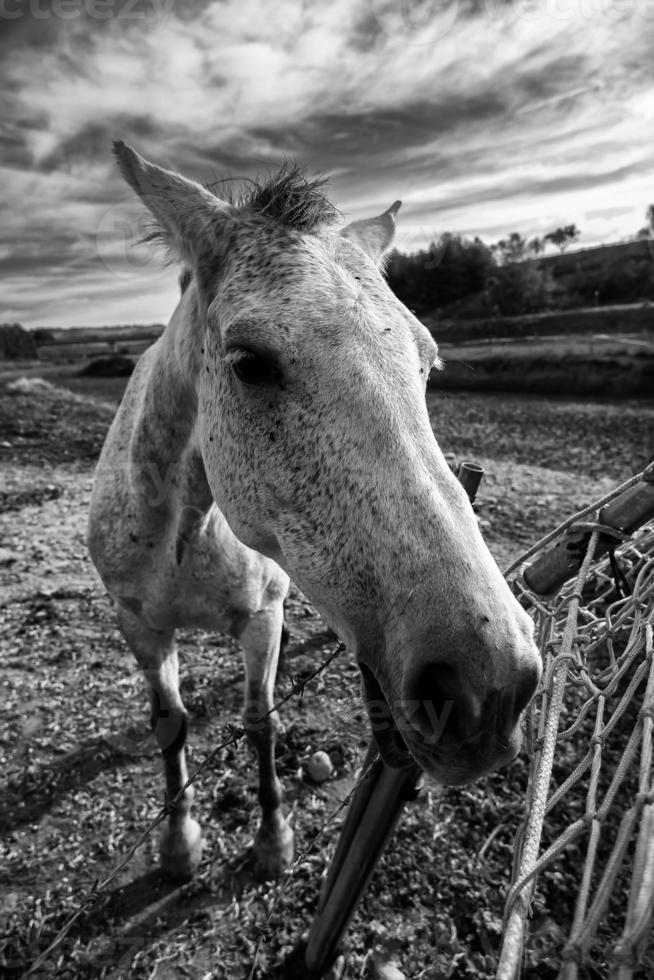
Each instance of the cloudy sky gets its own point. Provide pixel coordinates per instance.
(484, 116)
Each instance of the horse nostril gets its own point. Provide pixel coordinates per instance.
(515, 697)
(440, 704)
(525, 688)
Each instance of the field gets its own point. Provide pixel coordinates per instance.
(81, 771)
(599, 365)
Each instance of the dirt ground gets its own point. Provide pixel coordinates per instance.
(81, 772)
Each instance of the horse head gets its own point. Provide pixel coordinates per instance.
(310, 381)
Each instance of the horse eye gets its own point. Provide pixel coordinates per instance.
(255, 369)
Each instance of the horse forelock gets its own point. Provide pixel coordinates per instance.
(290, 197)
(291, 204)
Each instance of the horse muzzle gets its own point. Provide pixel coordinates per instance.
(454, 735)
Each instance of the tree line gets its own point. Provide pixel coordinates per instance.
(509, 277)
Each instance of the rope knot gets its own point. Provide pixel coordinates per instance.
(624, 954)
(571, 952)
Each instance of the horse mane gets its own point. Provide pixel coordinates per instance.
(290, 197)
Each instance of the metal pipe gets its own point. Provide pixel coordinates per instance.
(470, 475)
(367, 833)
(355, 812)
(624, 514)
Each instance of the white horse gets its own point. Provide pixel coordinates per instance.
(278, 428)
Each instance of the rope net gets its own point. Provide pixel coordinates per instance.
(591, 760)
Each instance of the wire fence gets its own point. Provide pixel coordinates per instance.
(591, 733)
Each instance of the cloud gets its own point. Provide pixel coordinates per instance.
(485, 117)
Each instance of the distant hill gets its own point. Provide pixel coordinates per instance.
(85, 335)
(565, 263)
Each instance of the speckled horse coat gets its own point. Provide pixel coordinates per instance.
(278, 427)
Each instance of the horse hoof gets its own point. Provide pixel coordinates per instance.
(273, 850)
(180, 851)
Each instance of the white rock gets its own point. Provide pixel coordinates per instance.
(385, 969)
(320, 767)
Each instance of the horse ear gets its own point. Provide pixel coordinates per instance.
(191, 221)
(374, 235)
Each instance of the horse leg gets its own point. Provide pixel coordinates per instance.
(180, 846)
(260, 639)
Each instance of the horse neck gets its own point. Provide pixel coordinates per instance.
(165, 383)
